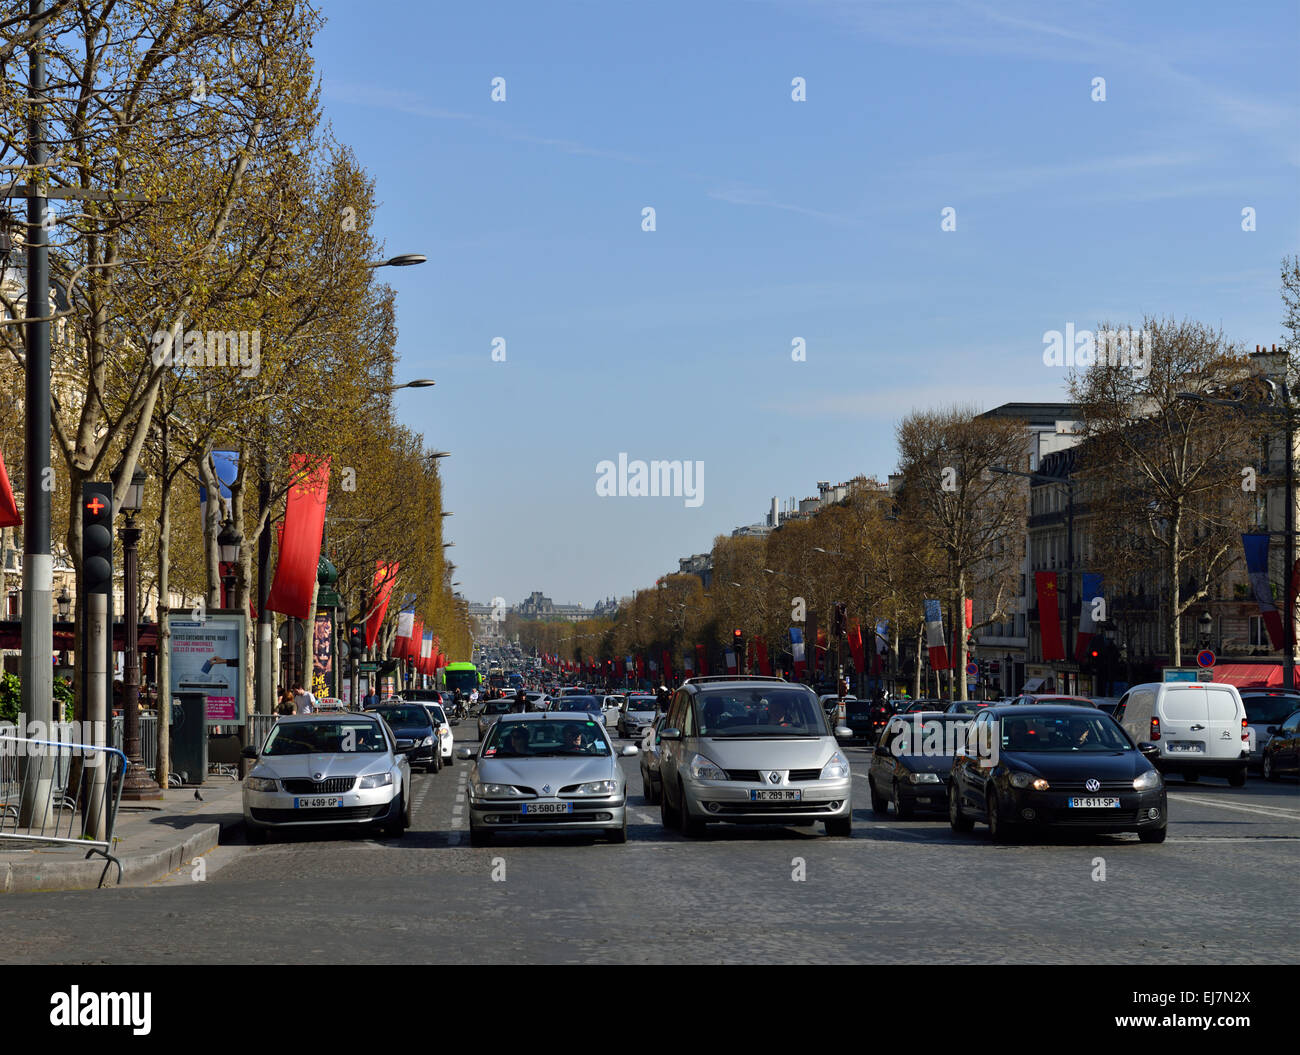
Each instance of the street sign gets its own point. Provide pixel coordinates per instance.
(1181, 674)
(972, 669)
(1205, 658)
(367, 667)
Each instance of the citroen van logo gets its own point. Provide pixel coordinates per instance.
(1092, 784)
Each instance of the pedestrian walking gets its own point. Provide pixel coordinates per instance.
(304, 702)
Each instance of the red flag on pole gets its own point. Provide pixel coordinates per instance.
(856, 647)
(9, 515)
(1049, 618)
(304, 522)
(702, 663)
(385, 576)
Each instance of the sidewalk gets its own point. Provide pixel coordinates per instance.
(152, 839)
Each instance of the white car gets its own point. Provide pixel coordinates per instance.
(446, 741)
(328, 770)
(613, 708)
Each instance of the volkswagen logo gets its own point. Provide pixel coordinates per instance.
(774, 778)
(1092, 784)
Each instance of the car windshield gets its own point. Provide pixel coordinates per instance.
(403, 715)
(765, 712)
(576, 703)
(545, 739)
(497, 707)
(437, 714)
(1042, 732)
(640, 706)
(933, 736)
(327, 738)
(1269, 710)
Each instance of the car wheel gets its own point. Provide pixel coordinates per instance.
(618, 835)
(905, 810)
(479, 836)
(1155, 835)
(648, 786)
(397, 827)
(449, 759)
(840, 827)
(1237, 778)
(690, 827)
(256, 836)
(1270, 774)
(999, 830)
(667, 814)
(956, 819)
(879, 804)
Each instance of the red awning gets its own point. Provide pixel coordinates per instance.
(1252, 675)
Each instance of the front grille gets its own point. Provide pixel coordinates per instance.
(805, 774)
(531, 819)
(341, 813)
(749, 775)
(1106, 785)
(1089, 818)
(333, 786)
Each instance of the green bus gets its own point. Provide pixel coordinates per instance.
(463, 676)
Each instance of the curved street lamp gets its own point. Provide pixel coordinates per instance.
(402, 260)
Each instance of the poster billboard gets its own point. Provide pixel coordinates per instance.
(323, 649)
(208, 656)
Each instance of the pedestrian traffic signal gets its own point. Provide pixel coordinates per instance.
(97, 537)
(356, 641)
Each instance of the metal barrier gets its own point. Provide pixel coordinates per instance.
(46, 784)
(258, 726)
(148, 739)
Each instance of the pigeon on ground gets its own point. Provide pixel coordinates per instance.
(197, 795)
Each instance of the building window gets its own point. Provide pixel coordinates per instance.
(1258, 633)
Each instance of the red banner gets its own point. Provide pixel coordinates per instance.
(1049, 617)
(701, 662)
(416, 638)
(304, 522)
(385, 576)
(764, 661)
(856, 647)
(9, 515)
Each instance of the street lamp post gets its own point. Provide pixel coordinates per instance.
(137, 786)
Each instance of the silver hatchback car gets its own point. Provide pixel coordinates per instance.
(554, 771)
(752, 750)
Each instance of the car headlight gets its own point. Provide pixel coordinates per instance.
(835, 769)
(924, 778)
(1149, 779)
(376, 780)
(261, 784)
(427, 742)
(597, 787)
(1028, 780)
(702, 768)
(496, 791)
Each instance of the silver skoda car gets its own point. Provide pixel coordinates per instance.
(752, 750)
(548, 771)
(328, 769)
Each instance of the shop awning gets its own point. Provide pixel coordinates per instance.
(1033, 685)
(1252, 675)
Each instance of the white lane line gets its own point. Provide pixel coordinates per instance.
(897, 831)
(1277, 812)
(644, 817)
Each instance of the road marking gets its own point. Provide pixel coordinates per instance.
(644, 817)
(897, 831)
(1277, 812)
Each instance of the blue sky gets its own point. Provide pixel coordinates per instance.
(779, 219)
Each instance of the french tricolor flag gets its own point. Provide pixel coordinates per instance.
(934, 636)
(1257, 568)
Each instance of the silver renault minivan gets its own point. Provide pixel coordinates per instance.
(752, 750)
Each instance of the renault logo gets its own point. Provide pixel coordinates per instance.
(774, 778)
(1092, 784)
(546, 789)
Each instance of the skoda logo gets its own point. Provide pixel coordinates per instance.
(774, 778)
(1092, 784)
(546, 789)
(317, 776)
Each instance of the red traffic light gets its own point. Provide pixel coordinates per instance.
(735, 633)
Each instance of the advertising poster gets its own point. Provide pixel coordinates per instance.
(207, 656)
(322, 648)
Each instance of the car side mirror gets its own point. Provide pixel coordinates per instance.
(1272, 730)
(630, 750)
(464, 753)
(1148, 749)
(249, 752)
(670, 734)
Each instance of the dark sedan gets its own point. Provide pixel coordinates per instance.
(912, 763)
(1043, 767)
(867, 718)
(1282, 752)
(590, 704)
(412, 721)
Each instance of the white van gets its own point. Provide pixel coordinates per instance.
(1200, 727)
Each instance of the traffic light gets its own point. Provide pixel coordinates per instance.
(356, 641)
(97, 537)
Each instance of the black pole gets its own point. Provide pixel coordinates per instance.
(1288, 668)
(38, 569)
(1069, 579)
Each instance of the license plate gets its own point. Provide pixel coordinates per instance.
(1186, 746)
(924, 798)
(316, 803)
(775, 796)
(1094, 804)
(548, 807)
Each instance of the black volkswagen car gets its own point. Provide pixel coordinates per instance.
(1043, 767)
(411, 721)
(912, 763)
